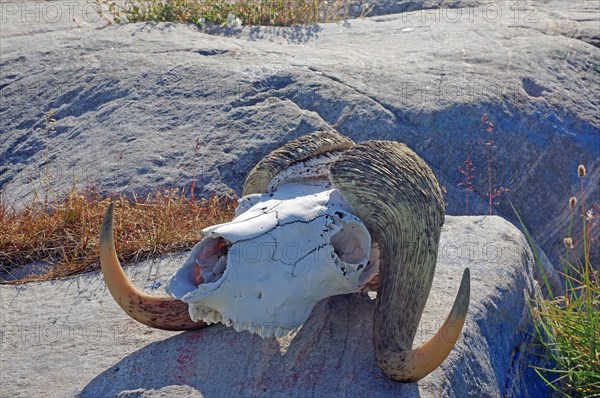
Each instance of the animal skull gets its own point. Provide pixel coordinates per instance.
(353, 214)
(285, 252)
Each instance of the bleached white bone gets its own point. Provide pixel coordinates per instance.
(287, 250)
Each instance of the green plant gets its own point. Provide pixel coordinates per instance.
(230, 13)
(568, 326)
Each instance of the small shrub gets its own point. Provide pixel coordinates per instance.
(230, 13)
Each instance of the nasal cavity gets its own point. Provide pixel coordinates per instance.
(210, 261)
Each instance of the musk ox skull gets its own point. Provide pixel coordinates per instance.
(320, 216)
(284, 252)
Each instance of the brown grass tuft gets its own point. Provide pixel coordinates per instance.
(61, 237)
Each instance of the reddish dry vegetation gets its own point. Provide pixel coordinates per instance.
(62, 236)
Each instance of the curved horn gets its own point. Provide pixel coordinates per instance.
(398, 198)
(297, 150)
(157, 312)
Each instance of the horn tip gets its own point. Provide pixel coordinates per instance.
(465, 283)
(106, 231)
(461, 303)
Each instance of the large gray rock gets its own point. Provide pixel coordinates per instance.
(131, 100)
(69, 338)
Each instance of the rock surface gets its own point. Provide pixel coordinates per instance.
(131, 100)
(69, 338)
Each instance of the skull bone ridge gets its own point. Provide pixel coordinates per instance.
(283, 252)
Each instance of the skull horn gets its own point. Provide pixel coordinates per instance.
(157, 312)
(398, 198)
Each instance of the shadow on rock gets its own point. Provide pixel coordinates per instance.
(330, 355)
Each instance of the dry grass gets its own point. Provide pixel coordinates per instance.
(229, 13)
(63, 234)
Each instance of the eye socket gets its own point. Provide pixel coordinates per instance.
(352, 243)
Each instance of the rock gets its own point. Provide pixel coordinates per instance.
(69, 338)
(130, 100)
